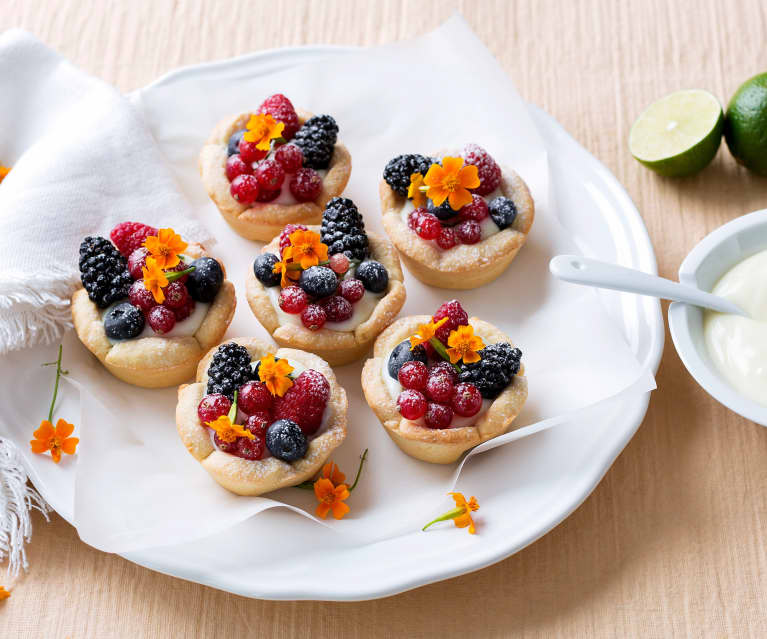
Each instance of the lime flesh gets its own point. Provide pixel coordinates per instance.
(679, 134)
(745, 127)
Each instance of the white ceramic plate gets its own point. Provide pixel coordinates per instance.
(550, 473)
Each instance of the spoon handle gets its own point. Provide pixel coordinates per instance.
(584, 270)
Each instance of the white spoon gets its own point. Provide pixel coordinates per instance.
(584, 270)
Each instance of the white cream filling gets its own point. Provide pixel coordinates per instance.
(738, 345)
(184, 328)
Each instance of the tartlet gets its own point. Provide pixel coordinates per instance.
(262, 474)
(151, 361)
(262, 216)
(501, 400)
(337, 342)
(459, 248)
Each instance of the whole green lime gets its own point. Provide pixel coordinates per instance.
(745, 124)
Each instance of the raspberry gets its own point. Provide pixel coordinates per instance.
(411, 404)
(250, 152)
(352, 290)
(161, 319)
(212, 406)
(175, 295)
(306, 185)
(253, 397)
(446, 239)
(285, 235)
(337, 309)
(137, 261)
(413, 375)
(456, 317)
(428, 227)
(186, 310)
(128, 236)
(140, 296)
(438, 416)
(415, 216)
(439, 388)
(289, 157)
(293, 299)
(281, 109)
(270, 175)
(467, 400)
(476, 211)
(235, 166)
(244, 188)
(444, 368)
(313, 317)
(251, 449)
(304, 402)
(489, 172)
(268, 196)
(339, 263)
(468, 231)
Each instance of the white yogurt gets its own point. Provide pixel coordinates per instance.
(738, 345)
(395, 388)
(184, 328)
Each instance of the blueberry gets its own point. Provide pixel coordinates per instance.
(318, 281)
(443, 212)
(123, 321)
(234, 142)
(286, 441)
(205, 280)
(373, 275)
(402, 354)
(503, 212)
(263, 267)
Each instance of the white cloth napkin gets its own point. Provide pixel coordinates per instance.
(82, 161)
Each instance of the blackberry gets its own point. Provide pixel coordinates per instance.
(229, 369)
(493, 373)
(402, 354)
(317, 139)
(343, 229)
(103, 271)
(398, 170)
(503, 212)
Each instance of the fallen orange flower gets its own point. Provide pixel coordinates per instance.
(4, 594)
(461, 514)
(57, 440)
(4, 171)
(331, 498)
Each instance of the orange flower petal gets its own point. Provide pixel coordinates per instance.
(45, 431)
(56, 454)
(469, 358)
(63, 429)
(459, 198)
(38, 446)
(434, 176)
(452, 165)
(339, 509)
(69, 445)
(468, 177)
(322, 510)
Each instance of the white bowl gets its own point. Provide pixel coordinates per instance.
(716, 253)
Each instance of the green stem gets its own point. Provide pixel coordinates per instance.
(59, 373)
(233, 409)
(442, 352)
(359, 470)
(172, 276)
(450, 514)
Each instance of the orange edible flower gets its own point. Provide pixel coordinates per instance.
(281, 267)
(333, 473)
(425, 332)
(461, 514)
(4, 170)
(165, 248)
(464, 345)
(275, 374)
(227, 431)
(414, 191)
(55, 440)
(4, 594)
(154, 279)
(451, 182)
(262, 129)
(331, 498)
(306, 248)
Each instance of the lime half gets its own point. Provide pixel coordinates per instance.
(746, 126)
(679, 134)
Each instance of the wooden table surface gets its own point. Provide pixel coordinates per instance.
(672, 541)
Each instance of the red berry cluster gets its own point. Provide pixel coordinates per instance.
(255, 177)
(464, 226)
(178, 304)
(257, 409)
(432, 391)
